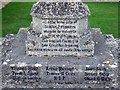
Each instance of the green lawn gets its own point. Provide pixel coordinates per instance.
(103, 15)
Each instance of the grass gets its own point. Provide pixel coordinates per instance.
(0, 23)
(103, 15)
(14, 16)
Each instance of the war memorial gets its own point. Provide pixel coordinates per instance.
(59, 50)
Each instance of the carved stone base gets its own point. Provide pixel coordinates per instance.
(22, 71)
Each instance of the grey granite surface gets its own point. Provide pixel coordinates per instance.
(17, 56)
(70, 70)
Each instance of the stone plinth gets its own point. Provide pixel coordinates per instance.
(59, 50)
(60, 29)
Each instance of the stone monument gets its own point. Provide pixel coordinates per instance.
(60, 28)
(59, 50)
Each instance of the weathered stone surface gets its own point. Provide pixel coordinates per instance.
(1, 41)
(102, 60)
(25, 66)
(57, 35)
(58, 9)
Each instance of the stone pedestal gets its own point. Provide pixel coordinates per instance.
(60, 29)
(59, 50)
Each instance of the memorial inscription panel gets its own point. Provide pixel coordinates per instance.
(60, 37)
(45, 74)
(58, 75)
(63, 75)
(62, 51)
